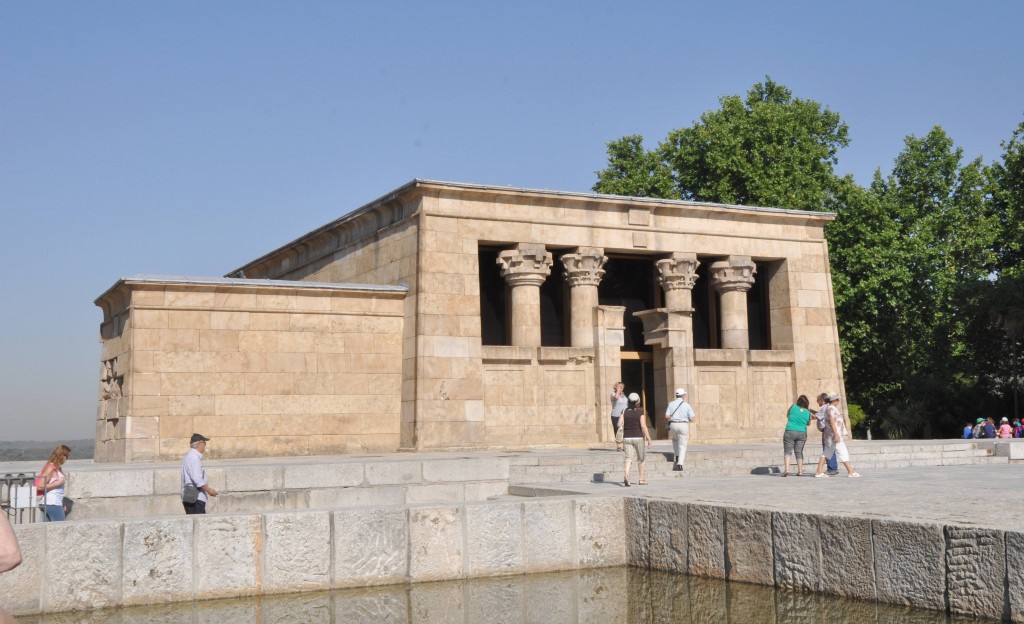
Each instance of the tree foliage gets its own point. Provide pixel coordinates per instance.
(926, 260)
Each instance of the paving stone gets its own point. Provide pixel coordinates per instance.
(910, 560)
(748, 546)
(796, 545)
(157, 564)
(705, 536)
(370, 546)
(847, 557)
(668, 531)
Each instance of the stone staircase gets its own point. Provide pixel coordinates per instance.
(710, 461)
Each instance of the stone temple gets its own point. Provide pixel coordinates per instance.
(458, 316)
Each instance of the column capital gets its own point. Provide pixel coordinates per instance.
(733, 274)
(527, 264)
(679, 271)
(585, 267)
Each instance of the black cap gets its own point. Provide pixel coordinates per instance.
(198, 438)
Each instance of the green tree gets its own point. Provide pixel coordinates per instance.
(1006, 179)
(634, 172)
(768, 149)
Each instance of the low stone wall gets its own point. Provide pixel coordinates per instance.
(94, 564)
(964, 570)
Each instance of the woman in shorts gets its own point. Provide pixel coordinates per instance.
(635, 437)
(835, 428)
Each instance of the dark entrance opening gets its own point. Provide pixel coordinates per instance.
(631, 283)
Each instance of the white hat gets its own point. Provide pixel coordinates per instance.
(1004, 419)
(680, 392)
(634, 397)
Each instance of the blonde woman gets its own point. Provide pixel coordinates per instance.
(52, 484)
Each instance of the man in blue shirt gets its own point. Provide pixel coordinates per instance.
(193, 473)
(679, 414)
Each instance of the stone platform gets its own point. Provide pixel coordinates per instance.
(930, 524)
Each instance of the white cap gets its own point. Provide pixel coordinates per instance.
(680, 392)
(1005, 419)
(634, 397)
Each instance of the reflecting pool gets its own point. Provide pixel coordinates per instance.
(609, 595)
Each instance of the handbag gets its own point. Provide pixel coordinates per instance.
(190, 494)
(618, 434)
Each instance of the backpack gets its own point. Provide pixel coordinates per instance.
(820, 417)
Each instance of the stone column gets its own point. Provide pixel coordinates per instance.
(525, 268)
(584, 270)
(678, 274)
(732, 279)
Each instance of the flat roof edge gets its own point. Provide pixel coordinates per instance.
(240, 282)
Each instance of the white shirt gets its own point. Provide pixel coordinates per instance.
(192, 471)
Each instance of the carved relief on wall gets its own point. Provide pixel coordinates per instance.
(110, 381)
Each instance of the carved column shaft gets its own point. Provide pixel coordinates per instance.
(732, 279)
(584, 270)
(525, 268)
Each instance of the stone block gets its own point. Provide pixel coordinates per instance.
(547, 534)
(323, 476)
(483, 490)
(976, 571)
(705, 536)
(637, 534)
(493, 539)
(847, 557)
(1014, 574)
(482, 469)
(255, 478)
(668, 535)
(157, 561)
(20, 587)
(796, 546)
(103, 483)
(385, 604)
(227, 555)
(600, 532)
(436, 543)
(447, 493)
(394, 473)
(356, 497)
(748, 546)
(910, 563)
(93, 581)
(296, 551)
(370, 547)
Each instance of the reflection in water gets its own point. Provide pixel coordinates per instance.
(616, 595)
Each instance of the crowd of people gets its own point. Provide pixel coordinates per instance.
(632, 436)
(987, 428)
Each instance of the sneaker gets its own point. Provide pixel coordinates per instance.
(821, 475)
(854, 475)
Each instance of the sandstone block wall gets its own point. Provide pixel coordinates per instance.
(158, 560)
(265, 369)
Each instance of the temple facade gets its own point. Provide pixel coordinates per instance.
(448, 316)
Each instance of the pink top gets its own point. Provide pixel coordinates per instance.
(1005, 431)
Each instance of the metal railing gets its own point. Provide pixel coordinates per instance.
(18, 497)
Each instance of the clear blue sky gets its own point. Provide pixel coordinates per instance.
(188, 138)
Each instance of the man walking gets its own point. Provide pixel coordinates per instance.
(193, 473)
(830, 457)
(679, 414)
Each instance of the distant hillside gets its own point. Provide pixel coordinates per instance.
(35, 450)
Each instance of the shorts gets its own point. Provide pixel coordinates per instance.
(842, 453)
(794, 441)
(635, 449)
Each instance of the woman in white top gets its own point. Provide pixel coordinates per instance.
(52, 489)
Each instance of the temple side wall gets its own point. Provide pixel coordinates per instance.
(264, 371)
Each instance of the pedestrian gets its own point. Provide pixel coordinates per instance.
(635, 437)
(990, 428)
(619, 403)
(795, 436)
(968, 431)
(819, 414)
(1004, 428)
(679, 415)
(835, 431)
(10, 552)
(50, 484)
(1018, 429)
(979, 429)
(193, 475)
